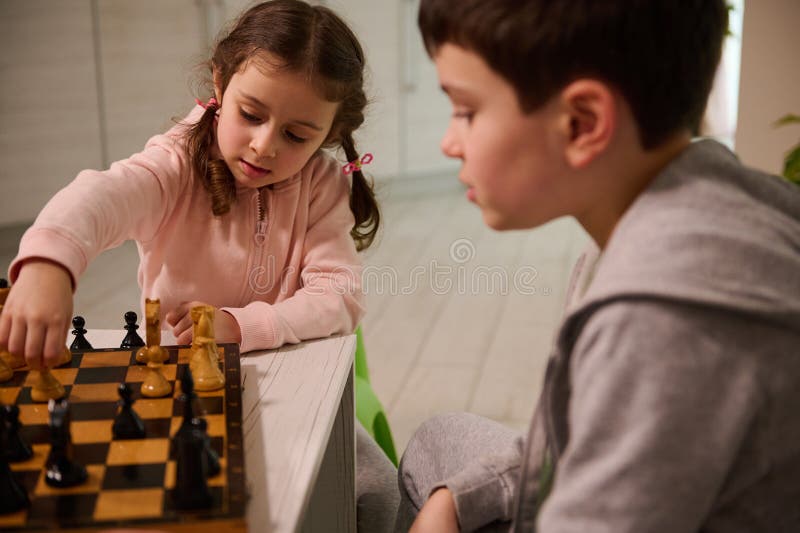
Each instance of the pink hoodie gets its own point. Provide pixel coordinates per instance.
(293, 276)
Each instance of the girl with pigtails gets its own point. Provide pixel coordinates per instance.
(236, 207)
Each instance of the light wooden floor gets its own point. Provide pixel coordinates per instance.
(460, 318)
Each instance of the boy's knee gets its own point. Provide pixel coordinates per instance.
(426, 454)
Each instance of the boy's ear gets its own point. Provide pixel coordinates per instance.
(590, 120)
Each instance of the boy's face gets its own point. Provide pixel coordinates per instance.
(513, 163)
(271, 122)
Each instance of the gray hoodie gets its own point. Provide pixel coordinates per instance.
(672, 399)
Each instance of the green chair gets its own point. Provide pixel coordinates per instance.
(369, 410)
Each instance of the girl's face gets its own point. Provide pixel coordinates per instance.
(271, 122)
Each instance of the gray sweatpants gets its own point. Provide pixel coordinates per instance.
(376, 486)
(440, 448)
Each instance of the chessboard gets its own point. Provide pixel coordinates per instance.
(130, 482)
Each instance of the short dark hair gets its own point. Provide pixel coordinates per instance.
(661, 55)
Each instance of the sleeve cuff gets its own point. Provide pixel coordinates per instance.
(257, 326)
(481, 496)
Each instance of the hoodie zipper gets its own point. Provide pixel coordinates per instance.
(261, 221)
(257, 277)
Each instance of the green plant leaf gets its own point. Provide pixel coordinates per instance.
(787, 119)
(791, 167)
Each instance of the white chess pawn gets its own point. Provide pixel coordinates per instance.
(155, 385)
(45, 386)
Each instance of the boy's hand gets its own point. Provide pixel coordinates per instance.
(438, 514)
(37, 314)
(226, 329)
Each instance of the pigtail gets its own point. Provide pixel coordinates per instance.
(362, 201)
(214, 173)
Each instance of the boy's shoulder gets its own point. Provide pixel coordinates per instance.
(708, 231)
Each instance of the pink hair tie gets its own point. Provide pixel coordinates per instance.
(356, 165)
(212, 103)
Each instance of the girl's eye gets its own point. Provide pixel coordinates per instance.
(294, 138)
(248, 117)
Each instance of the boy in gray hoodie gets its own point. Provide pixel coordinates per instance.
(671, 401)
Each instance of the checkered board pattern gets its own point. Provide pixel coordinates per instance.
(130, 481)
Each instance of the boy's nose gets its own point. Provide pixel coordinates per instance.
(450, 144)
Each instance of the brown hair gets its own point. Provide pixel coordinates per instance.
(312, 40)
(660, 54)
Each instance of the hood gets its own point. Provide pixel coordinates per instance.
(708, 231)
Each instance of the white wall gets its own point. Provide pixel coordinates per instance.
(770, 82)
(86, 82)
(49, 123)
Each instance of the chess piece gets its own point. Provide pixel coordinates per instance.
(12, 443)
(205, 369)
(4, 290)
(191, 422)
(191, 489)
(152, 315)
(203, 326)
(45, 386)
(80, 344)
(66, 357)
(6, 372)
(10, 359)
(155, 385)
(187, 398)
(132, 339)
(189, 445)
(212, 458)
(127, 423)
(62, 470)
(12, 496)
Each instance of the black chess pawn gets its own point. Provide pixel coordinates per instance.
(61, 469)
(13, 445)
(132, 339)
(12, 496)
(127, 423)
(80, 343)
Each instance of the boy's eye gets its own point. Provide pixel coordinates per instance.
(294, 138)
(248, 116)
(465, 115)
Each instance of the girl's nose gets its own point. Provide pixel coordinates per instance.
(451, 144)
(264, 142)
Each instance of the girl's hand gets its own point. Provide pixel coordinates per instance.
(37, 313)
(437, 515)
(226, 329)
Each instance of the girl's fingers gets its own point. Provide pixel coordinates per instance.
(185, 336)
(186, 323)
(16, 337)
(5, 328)
(54, 346)
(172, 317)
(16, 344)
(177, 314)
